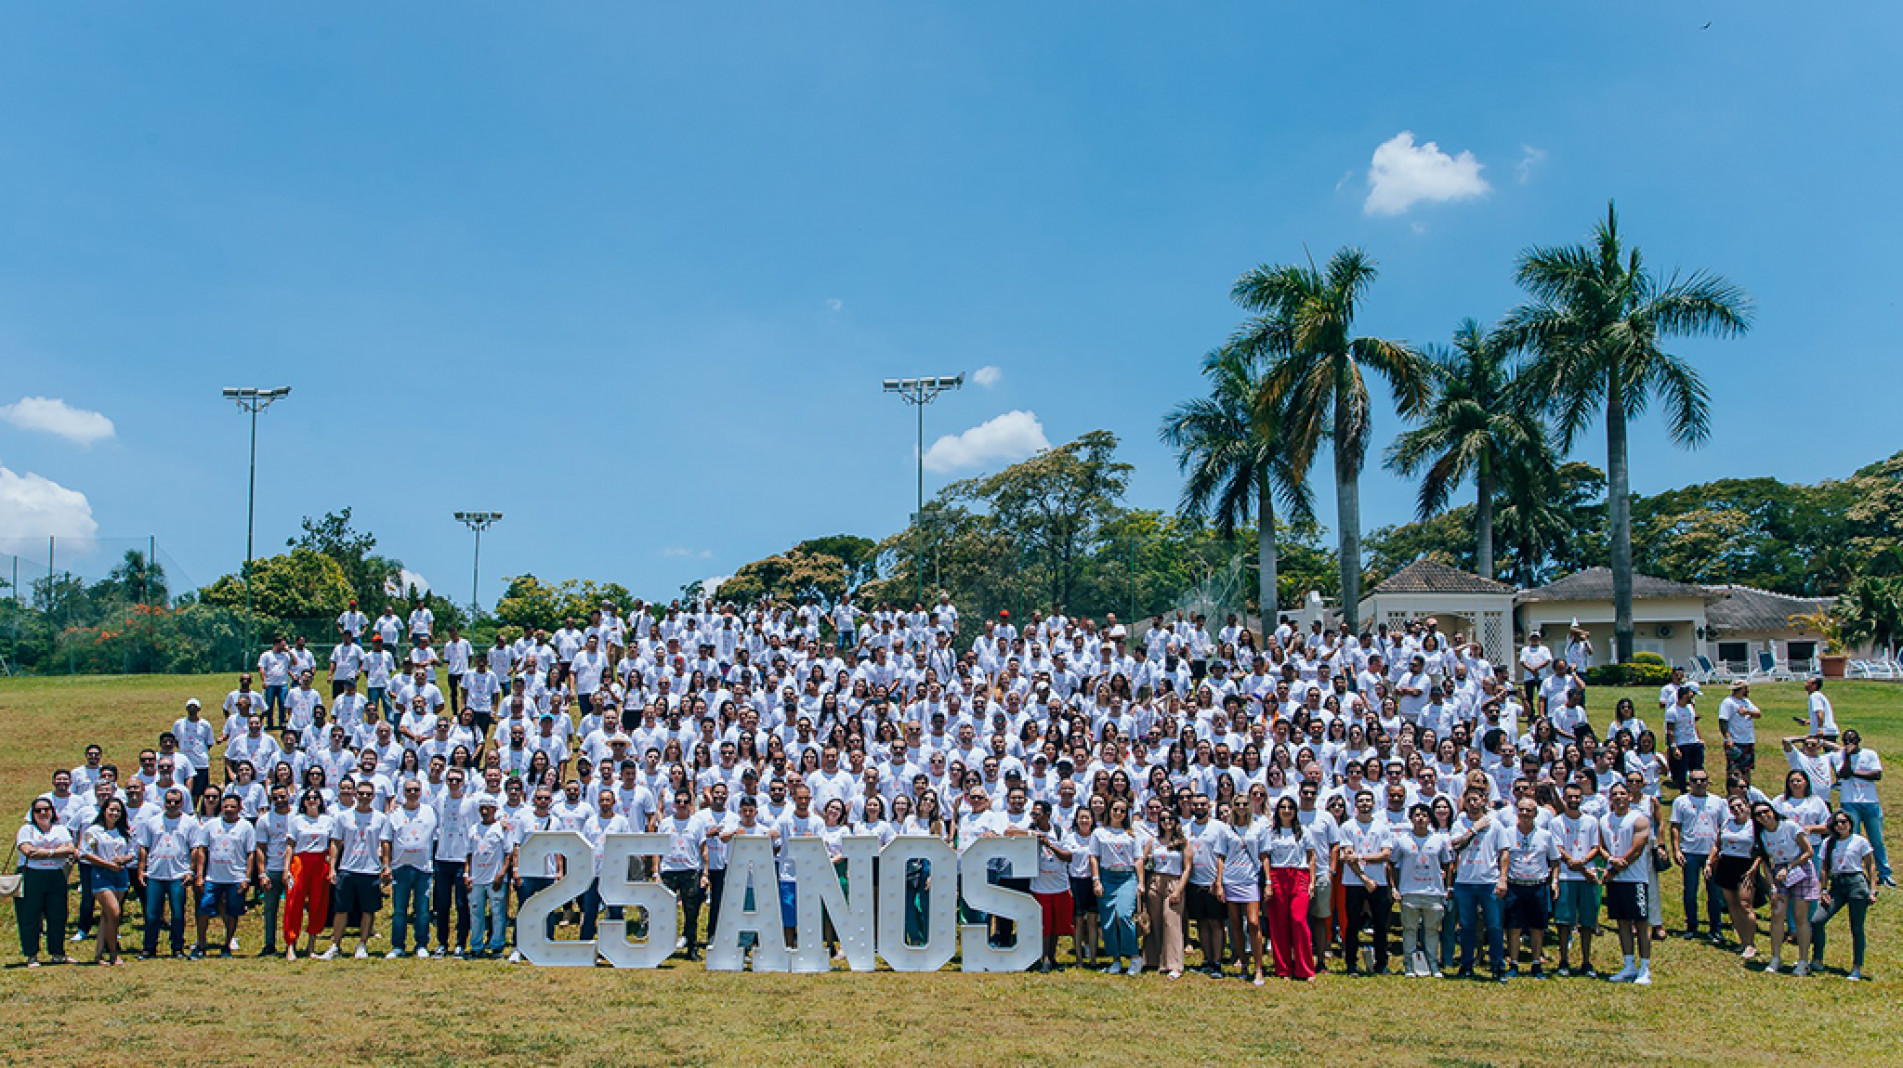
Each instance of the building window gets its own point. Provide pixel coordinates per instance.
(1799, 652)
(1734, 652)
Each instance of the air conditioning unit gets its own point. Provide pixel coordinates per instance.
(1665, 630)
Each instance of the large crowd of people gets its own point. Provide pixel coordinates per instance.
(1276, 804)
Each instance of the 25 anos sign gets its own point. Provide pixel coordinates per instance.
(819, 896)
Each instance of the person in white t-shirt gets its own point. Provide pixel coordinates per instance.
(1821, 719)
(1738, 719)
(412, 865)
(1858, 772)
(359, 870)
(1536, 661)
(1849, 872)
(223, 852)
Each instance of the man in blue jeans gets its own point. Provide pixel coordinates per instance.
(412, 863)
(491, 860)
(1858, 772)
(1481, 843)
(165, 857)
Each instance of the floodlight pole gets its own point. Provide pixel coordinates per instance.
(253, 400)
(919, 392)
(478, 522)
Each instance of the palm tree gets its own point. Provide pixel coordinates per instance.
(1315, 387)
(1594, 328)
(1475, 426)
(1231, 466)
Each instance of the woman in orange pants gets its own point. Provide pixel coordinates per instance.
(1288, 853)
(307, 875)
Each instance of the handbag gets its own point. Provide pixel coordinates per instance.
(10, 883)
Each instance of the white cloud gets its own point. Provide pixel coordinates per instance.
(1403, 174)
(54, 416)
(1530, 160)
(405, 581)
(712, 582)
(987, 376)
(1009, 437)
(33, 507)
(678, 552)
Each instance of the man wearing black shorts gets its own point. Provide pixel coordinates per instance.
(1532, 877)
(1201, 906)
(359, 868)
(1628, 844)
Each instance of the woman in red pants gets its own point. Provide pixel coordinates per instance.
(1289, 856)
(307, 876)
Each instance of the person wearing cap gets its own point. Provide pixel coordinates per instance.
(1737, 721)
(492, 852)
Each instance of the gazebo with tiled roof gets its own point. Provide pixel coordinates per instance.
(1461, 600)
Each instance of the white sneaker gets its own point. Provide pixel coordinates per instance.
(1623, 975)
(78, 936)
(394, 954)
(1773, 967)
(329, 954)
(1800, 969)
(515, 957)
(1855, 976)
(422, 952)
(1134, 969)
(363, 952)
(1644, 978)
(1112, 970)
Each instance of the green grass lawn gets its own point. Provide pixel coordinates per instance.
(1705, 1009)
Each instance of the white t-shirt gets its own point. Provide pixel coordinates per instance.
(1115, 849)
(1576, 837)
(1421, 863)
(1283, 849)
(412, 837)
(228, 848)
(1858, 791)
(1698, 820)
(168, 846)
(1847, 857)
(489, 845)
(311, 834)
(1531, 855)
(52, 838)
(362, 833)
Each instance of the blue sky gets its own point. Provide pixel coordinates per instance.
(631, 274)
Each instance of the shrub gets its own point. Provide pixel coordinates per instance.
(1640, 672)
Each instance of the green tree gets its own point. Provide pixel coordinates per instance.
(133, 580)
(1055, 504)
(1233, 465)
(300, 584)
(1474, 426)
(1551, 520)
(792, 576)
(1595, 327)
(355, 552)
(1315, 387)
(1871, 611)
(860, 556)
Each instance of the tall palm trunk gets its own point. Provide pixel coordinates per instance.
(1483, 520)
(1619, 516)
(1348, 510)
(1265, 554)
